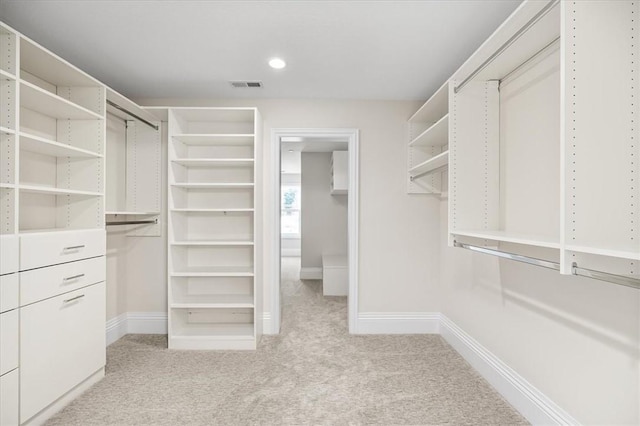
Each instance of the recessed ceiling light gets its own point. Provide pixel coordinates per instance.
(290, 150)
(277, 63)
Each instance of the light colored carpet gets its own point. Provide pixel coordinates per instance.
(314, 372)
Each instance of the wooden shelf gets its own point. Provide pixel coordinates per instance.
(129, 213)
(509, 237)
(620, 254)
(212, 185)
(213, 301)
(215, 139)
(435, 108)
(208, 331)
(35, 189)
(38, 61)
(52, 148)
(6, 76)
(212, 243)
(211, 271)
(209, 162)
(436, 135)
(431, 165)
(232, 210)
(36, 99)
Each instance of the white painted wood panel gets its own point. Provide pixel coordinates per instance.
(9, 341)
(44, 249)
(9, 292)
(62, 343)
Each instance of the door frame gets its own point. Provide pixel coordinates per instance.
(352, 137)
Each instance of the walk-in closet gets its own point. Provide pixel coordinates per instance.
(285, 213)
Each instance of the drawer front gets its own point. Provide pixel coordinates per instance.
(9, 258)
(9, 399)
(62, 342)
(9, 291)
(37, 250)
(8, 341)
(43, 283)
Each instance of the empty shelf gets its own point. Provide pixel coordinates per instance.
(510, 237)
(431, 165)
(215, 139)
(214, 301)
(34, 98)
(213, 331)
(7, 131)
(213, 243)
(45, 146)
(128, 213)
(435, 108)
(436, 135)
(208, 162)
(230, 210)
(35, 189)
(212, 271)
(211, 185)
(620, 254)
(6, 76)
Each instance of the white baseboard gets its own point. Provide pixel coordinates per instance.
(308, 273)
(398, 323)
(266, 323)
(116, 328)
(136, 323)
(529, 401)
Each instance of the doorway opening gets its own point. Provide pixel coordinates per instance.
(338, 148)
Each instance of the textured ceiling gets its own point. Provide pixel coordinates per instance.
(334, 49)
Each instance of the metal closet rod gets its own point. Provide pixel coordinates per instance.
(133, 222)
(575, 270)
(137, 117)
(506, 44)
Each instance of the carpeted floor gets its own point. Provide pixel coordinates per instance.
(314, 372)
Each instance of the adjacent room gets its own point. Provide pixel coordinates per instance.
(319, 212)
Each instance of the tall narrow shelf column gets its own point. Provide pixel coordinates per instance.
(428, 149)
(213, 292)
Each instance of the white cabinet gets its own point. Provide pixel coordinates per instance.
(540, 155)
(52, 139)
(339, 172)
(9, 403)
(214, 287)
(428, 149)
(62, 343)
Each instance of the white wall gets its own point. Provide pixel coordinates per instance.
(398, 232)
(577, 340)
(324, 218)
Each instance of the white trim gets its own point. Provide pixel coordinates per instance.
(536, 407)
(147, 323)
(266, 323)
(135, 323)
(352, 221)
(398, 323)
(116, 328)
(310, 273)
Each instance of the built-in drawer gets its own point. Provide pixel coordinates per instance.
(9, 291)
(62, 343)
(9, 249)
(9, 399)
(42, 283)
(46, 249)
(9, 341)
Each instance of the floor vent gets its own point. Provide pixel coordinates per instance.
(256, 84)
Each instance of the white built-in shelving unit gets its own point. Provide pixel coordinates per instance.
(427, 151)
(52, 241)
(213, 293)
(544, 136)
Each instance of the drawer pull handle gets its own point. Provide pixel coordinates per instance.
(73, 248)
(74, 298)
(75, 277)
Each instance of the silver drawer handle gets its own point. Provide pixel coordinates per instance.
(73, 248)
(74, 298)
(75, 277)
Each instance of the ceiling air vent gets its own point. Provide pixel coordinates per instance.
(256, 84)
